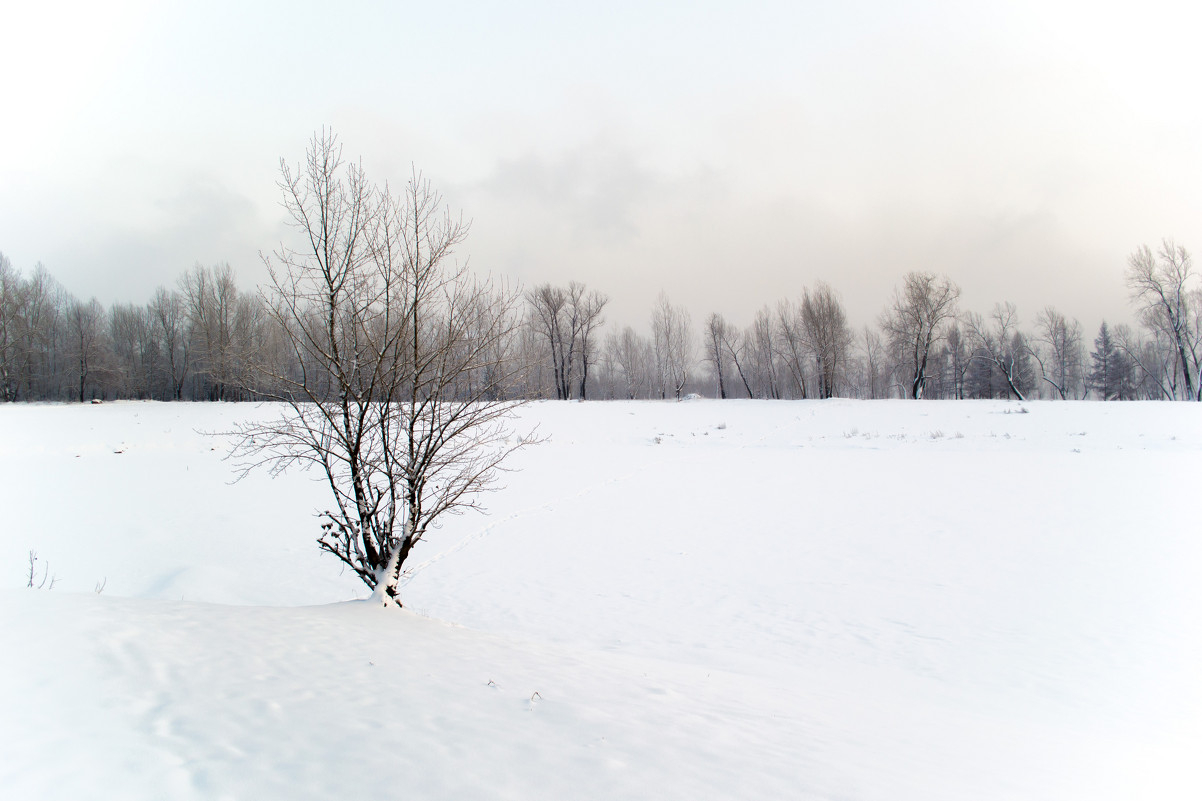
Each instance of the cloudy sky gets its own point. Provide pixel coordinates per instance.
(726, 153)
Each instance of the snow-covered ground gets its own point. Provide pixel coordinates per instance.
(843, 600)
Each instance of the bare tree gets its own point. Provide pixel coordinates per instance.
(547, 310)
(589, 320)
(631, 355)
(726, 345)
(167, 312)
(41, 336)
(672, 336)
(131, 331)
(1061, 362)
(875, 379)
(223, 323)
(737, 347)
(38, 322)
(915, 321)
(567, 320)
(12, 302)
(791, 333)
(763, 356)
(1170, 301)
(824, 324)
(1155, 367)
(89, 345)
(715, 348)
(1000, 345)
(955, 360)
(386, 325)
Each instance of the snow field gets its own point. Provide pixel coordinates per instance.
(840, 599)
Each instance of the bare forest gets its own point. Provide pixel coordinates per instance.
(206, 338)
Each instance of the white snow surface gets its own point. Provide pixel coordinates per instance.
(701, 600)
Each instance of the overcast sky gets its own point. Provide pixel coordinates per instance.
(727, 153)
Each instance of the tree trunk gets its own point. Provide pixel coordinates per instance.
(388, 585)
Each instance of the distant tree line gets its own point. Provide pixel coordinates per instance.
(196, 341)
(204, 338)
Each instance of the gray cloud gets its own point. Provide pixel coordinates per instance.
(124, 257)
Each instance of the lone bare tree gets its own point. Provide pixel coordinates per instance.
(915, 322)
(386, 330)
